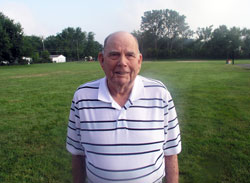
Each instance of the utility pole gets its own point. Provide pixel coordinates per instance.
(77, 50)
(233, 57)
(43, 42)
(43, 45)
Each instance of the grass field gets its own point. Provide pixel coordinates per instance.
(212, 100)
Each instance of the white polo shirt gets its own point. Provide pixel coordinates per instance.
(123, 144)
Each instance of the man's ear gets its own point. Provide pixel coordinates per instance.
(101, 58)
(140, 58)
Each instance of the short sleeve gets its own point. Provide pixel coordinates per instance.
(73, 142)
(172, 142)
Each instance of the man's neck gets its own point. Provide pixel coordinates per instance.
(120, 93)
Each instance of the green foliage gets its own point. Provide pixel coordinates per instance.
(73, 43)
(165, 34)
(225, 41)
(31, 44)
(35, 57)
(159, 25)
(204, 34)
(246, 42)
(10, 39)
(211, 98)
(92, 47)
(45, 57)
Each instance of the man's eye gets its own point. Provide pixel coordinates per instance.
(130, 55)
(114, 55)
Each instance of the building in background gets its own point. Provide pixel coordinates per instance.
(57, 58)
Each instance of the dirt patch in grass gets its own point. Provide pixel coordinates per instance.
(39, 75)
(247, 66)
(191, 61)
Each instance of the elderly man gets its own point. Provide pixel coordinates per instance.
(123, 128)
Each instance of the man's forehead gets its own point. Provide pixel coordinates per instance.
(121, 40)
(119, 51)
(124, 48)
(117, 46)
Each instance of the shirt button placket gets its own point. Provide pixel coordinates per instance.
(120, 122)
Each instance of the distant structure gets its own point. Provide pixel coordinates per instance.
(57, 58)
(89, 58)
(28, 59)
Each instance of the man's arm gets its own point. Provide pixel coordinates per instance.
(172, 169)
(78, 169)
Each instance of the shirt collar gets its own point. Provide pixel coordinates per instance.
(137, 90)
(103, 92)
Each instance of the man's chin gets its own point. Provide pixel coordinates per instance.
(121, 81)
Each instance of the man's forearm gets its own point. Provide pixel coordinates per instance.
(172, 169)
(78, 169)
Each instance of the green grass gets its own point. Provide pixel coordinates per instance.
(212, 101)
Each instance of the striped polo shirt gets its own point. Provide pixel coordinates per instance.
(123, 144)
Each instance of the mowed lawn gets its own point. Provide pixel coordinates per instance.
(212, 101)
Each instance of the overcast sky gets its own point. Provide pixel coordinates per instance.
(49, 17)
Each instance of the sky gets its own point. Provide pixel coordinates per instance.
(49, 17)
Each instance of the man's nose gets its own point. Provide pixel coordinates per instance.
(122, 60)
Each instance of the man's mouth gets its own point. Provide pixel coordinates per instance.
(121, 72)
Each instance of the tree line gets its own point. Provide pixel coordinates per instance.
(163, 34)
(73, 43)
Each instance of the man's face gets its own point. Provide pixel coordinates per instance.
(121, 60)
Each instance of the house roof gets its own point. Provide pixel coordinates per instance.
(54, 56)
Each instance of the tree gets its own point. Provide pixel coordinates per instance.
(225, 42)
(235, 42)
(45, 57)
(92, 47)
(246, 43)
(167, 25)
(73, 43)
(147, 43)
(204, 34)
(52, 43)
(152, 23)
(31, 44)
(176, 27)
(70, 42)
(201, 44)
(80, 41)
(139, 36)
(10, 39)
(35, 57)
(220, 42)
